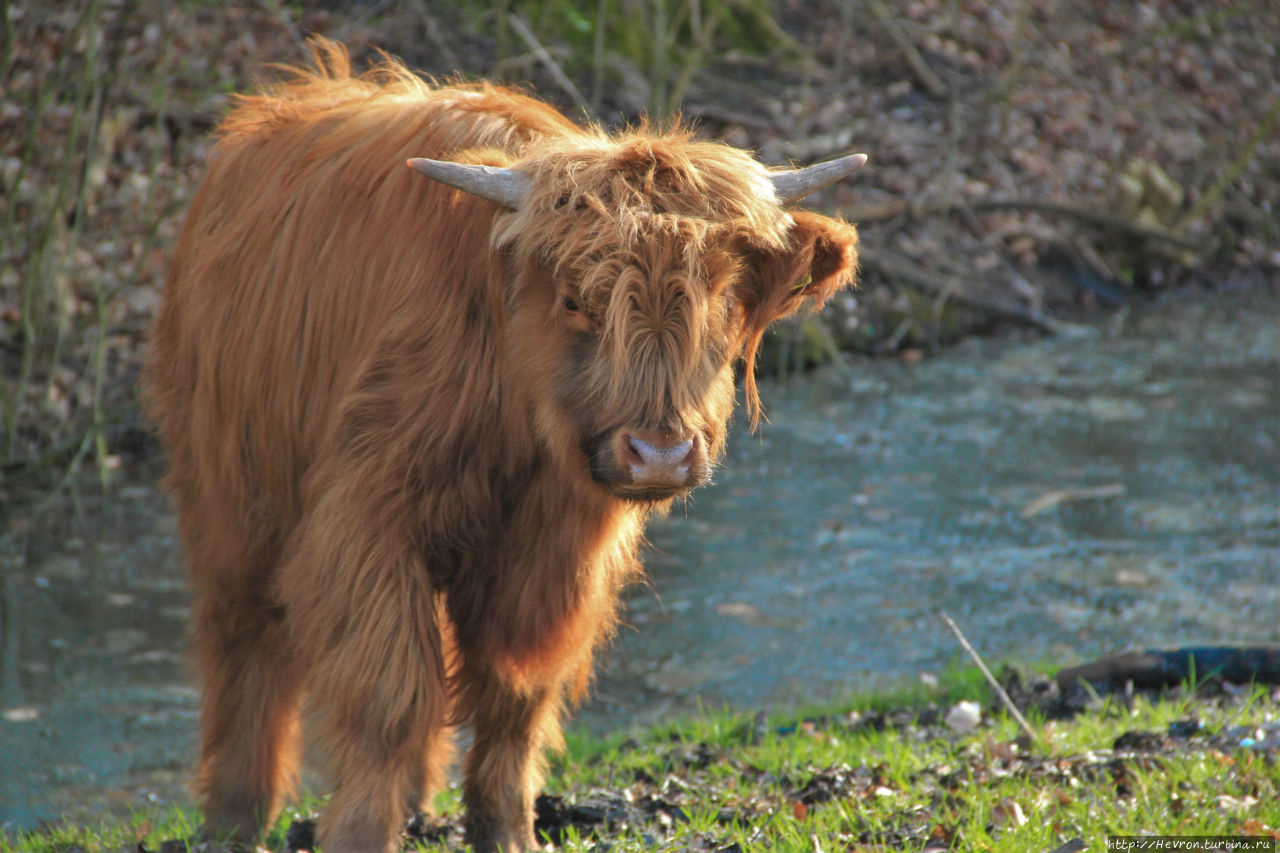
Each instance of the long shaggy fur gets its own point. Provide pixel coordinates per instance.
(388, 407)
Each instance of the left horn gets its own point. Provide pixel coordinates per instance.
(795, 184)
(507, 187)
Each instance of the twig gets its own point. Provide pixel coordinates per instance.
(827, 341)
(1100, 219)
(7, 40)
(68, 448)
(991, 679)
(726, 115)
(1233, 171)
(90, 439)
(1106, 221)
(923, 72)
(1059, 496)
(692, 60)
(553, 67)
(281, 14)
(939, 283)
(438, 40)
(658, 67)
(597, 58)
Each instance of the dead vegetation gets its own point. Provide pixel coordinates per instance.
(1031, 159)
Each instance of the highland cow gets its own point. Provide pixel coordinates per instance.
(417, 418)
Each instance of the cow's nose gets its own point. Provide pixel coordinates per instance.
(657, 460)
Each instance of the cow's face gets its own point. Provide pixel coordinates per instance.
(646, 337)
(639, 275)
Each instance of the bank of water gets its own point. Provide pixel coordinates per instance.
(1060, 498)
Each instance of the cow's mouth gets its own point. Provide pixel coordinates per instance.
(649, 495)
(648, 465)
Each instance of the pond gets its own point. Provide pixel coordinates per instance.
(1060, 498)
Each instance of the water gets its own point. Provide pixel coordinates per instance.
(819, 562)
(1061, 498)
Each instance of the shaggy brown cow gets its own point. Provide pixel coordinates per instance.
(416, 425)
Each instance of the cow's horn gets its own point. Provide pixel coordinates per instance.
(795, 184)
(507, 187)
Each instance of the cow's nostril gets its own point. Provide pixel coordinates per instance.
(682, 451)
(635, 451)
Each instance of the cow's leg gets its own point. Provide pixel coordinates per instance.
(526, 625)
(380, 782)
(428, 778)
(504, 768)
(364, 613)
(249, 714)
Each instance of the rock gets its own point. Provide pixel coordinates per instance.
(963, 717)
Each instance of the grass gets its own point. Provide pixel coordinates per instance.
(658, 45)
(839, 781)
(877, 773)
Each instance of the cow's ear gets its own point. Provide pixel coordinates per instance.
(820, 257)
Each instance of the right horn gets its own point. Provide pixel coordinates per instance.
(795, 184)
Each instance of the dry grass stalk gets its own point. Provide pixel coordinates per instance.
(991, 679)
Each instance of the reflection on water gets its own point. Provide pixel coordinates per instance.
(97, 701)
(1060, 498)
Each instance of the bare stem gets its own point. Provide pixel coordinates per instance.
(553, 67)
(991, 679)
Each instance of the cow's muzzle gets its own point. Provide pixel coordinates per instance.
(648, 465)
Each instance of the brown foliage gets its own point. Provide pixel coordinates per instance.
(409, 430)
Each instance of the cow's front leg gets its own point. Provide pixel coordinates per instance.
(362, 612)
(525, 623)
(505, 766)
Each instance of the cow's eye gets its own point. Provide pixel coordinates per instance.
(570, 304)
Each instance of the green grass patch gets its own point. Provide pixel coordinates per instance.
(886, 771)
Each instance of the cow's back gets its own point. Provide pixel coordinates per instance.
(307, 243)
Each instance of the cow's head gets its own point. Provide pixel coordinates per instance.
(640, 269)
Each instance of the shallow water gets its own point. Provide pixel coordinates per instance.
(1060, 498)
(818, 563)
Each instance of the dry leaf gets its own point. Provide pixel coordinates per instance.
(1007, 811)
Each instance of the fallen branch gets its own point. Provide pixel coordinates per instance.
(947, 285)
(892, 209)
(1097, 218)
(1157, 668)
(70, 450)
(991, 679)
(919, 67)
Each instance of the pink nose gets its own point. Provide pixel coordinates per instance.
(657, 460)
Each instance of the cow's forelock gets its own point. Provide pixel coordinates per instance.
(662, 333)
(614, 192)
